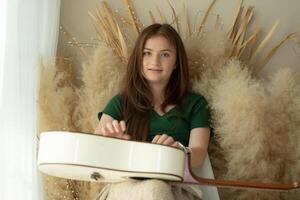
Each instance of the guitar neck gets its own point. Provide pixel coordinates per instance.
(191, 178)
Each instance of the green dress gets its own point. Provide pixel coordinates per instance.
(193, 112)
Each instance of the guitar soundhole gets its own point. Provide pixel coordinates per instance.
(95, 176)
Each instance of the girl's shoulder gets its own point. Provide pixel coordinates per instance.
(191, 97)
(117, 98)
(113, 108)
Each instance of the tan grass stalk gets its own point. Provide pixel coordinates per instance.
(264, 41)
(109, 31)
(295, 38)
(96, 28)
(100, 26)
(251, 47)
(236, 18)
(163, 18)
(122, 19)
(132, 16)
(239, 37)
(120, 45)
(152, 17)
(250, 39)
(261, 64)
(175, 17)
(248, 42)
(110, 19)
(187, 22)
(205, 16)
(237, 25)
(123, 45)
(244, 24)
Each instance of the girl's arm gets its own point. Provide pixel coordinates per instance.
(199, 140)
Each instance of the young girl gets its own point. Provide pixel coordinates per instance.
(155, 104)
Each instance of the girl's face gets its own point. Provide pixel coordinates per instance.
(159, 59)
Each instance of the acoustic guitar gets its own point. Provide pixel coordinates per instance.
(90, 157)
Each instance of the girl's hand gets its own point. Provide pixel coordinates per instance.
(165, 140)
(115, 129)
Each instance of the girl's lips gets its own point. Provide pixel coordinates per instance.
(154, 69)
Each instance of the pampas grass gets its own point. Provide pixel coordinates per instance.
(204, 19)
(102, 77)
(257, 127)
(239, 105)
(283, 118)
(58, 188)
(55, 97)
(108, 30)
(56, 101)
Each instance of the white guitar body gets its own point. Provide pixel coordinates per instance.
(91, 157)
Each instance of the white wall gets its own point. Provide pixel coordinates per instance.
(75, 18)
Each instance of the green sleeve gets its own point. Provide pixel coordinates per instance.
(113, 108)
(201, 114)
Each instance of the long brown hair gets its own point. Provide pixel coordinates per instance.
(137, 95)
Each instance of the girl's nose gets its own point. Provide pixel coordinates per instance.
(156, 60)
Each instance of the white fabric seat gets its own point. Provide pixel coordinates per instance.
(205, 171)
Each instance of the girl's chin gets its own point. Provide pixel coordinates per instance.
(156, 81)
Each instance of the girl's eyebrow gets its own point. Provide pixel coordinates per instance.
(170, 50)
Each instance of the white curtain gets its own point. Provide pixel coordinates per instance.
(29, 32)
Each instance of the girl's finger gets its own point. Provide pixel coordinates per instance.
(155, 139)
(123, 125)
(162, 138)
(175, 144)
(110, 128)
(169, 141)
(126, 136)
(103, 131)
(116, 126)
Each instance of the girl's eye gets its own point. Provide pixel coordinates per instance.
(165, 55)
(146, 53)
